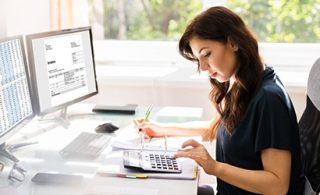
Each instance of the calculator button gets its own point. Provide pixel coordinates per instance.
(160, 162)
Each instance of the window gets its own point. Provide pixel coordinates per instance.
(295, 21)
(141, 19)
(287, 31)
(276, 21)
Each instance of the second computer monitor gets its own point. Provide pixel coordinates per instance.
(15, 101)
(62, 68)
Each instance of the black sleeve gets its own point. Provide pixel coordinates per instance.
(274, 122)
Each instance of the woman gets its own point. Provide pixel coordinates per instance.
(257, 148)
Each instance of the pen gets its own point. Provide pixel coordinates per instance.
(136, 176)
(147, 114)
(165, 143)
(146, 118)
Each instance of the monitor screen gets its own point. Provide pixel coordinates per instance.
(15, 102)
(62, 68)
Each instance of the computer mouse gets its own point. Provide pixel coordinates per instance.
(106, 128)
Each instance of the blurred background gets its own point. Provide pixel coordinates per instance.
(135, 43)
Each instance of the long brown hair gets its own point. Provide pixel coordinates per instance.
(223, 25)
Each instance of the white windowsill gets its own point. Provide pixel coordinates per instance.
(143, 62)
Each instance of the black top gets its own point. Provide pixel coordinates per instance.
(270, 122)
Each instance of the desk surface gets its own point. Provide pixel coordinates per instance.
(51, 138)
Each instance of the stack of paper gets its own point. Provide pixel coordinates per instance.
(113, 166)
(130, 140)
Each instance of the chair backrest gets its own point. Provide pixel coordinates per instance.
(313, 88)
(310, 129)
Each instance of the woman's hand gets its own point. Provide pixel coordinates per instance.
(198, 153)
(149, 129)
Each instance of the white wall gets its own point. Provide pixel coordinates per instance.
(3, 18)
(24, 16)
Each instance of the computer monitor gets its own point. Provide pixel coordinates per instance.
(62, 68)
(15, 103)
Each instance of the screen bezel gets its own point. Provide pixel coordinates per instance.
(34, 87)
(14, 129)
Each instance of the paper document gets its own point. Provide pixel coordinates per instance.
(123, 145)
(113, 167)
(130, 140)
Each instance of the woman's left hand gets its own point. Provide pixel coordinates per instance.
(198, 153)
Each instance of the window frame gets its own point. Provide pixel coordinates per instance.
(294, 60)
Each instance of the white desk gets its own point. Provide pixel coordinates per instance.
(44, 157)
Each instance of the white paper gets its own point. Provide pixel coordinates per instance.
(113, 166)
(112, 190)
(122, 145)
(129, 139)
(8, 191)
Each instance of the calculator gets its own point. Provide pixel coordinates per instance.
(151, 161)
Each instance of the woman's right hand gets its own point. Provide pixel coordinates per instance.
(150, 129)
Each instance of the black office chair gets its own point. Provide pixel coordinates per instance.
(310, 131)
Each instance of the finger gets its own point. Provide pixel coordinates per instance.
(183, 154)
(138, 121)
(146, 136)
(142, 130)
(190, 142)
(143, 127)
(186, 150)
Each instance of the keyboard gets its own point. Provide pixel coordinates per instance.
(152, 161)
(86, 145)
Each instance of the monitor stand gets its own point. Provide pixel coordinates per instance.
(15, 173)
(62, 119)
(4, 151)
